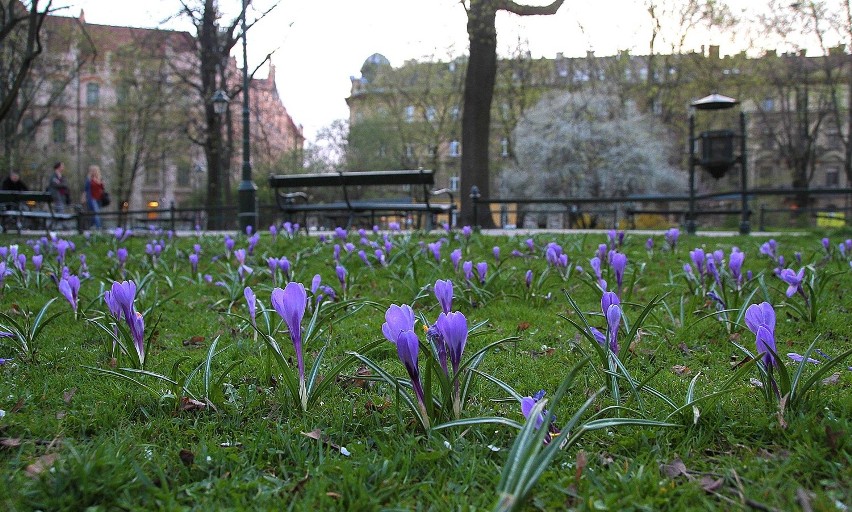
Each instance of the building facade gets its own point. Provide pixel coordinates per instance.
(122, 98)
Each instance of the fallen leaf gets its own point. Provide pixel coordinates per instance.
(187, 457)
(830, 380)
(674, 469)
(189, 404)
(61, 414)
(833, 438)
(18, 406)
(736, 363)
(523, 326)
(334, 495)
(680, 369)
(68, 395)
(319, 436)
(545, 351)
(684, 349)
(41, 465)
(10, 442)
(582, 462)
(735, 336)
(711, 485)
(370, 406)
(194, 341)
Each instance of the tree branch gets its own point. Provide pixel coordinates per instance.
(529, 10)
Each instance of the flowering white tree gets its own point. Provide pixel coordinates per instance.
(588, 144)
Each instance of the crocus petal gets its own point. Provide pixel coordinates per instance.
(527, 404)
(453, 328)
(444, 294)
(397, 320)
(760, 314)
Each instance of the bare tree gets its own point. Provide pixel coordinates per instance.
(214, 42)
(20, 28)
(479, 92)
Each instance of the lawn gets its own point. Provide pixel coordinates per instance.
(139, 373)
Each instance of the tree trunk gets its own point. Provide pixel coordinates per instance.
(210, 59)
(476, 115)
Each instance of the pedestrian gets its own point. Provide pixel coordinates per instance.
(58, 188)
(94, 194)
(14, 182)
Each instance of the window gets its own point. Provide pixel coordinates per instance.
(152, 176)
(455, 183)
(183, 175)
(28, 125)
(409, 114)
(431, 113)
(93, 95)
(58, 131)
(455, 113)
(58, 93)
(409, 151)
(455, 148)
(834, 141)
(504, 147)
(93, 132)
(768, 104)
(832, 177)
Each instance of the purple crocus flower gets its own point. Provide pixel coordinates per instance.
(380, 256)
(397, 320)
(340, 233)
(273, 230)
(348, 247)
(735, 264)
(121, 255)
(289, 227)
(315, 284)
(455, 258)
(496, 252)
(649, 244)
(794, 280)
(69, 288)
(229, 244)
(760, 319)
(363, 256)
(527, 404)
(466, 231)
(697, 257)
(671, 238)
(598, 336)
(253, 241)
(528, 278)
(408, 348)
(444, 294)
(826, 244)
(290, 304)
(453, 329)
(193, 261)
(251, 301)
(711, 269)
(435, 247)
(38, 259)
(336, 252)
(610, 305)
(467, 269)
(603, 253)
(619, 263)
(481, 271)
(551, 254)
(341, 272)
(530, 245)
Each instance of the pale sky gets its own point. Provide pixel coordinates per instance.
(319, 44)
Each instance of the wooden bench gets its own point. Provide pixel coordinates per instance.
(293, 198)
(21, 207)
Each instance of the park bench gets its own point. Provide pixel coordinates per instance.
(292, 195)
(21, 209)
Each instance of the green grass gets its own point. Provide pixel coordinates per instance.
(115, 445)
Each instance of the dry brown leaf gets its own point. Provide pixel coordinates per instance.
(68, 395)
(335, 495)
(187, 457)
(189, 404)
(523, 326)
(582, 462)
(41, 465)
(674, 468)
(831, 379)
(10, 442)
(709, 484)
(680, 369)
(194, 341)
(370, 406)
(18, 406)
(319, 436)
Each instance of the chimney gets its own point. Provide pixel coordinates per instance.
(82, 17)
(714, 51)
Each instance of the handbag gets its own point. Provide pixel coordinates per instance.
(105, 199)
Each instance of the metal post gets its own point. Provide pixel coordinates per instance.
(762, 226)
(690, 219)
(474, 196)
(745, 226)
(247, 191)
(172, 216)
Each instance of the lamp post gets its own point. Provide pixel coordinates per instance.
(247, 191)
(717, 155)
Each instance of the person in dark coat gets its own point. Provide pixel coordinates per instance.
(14, 182)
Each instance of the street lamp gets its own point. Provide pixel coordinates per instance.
(247, 191)
(220, 102)
(717, 155)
